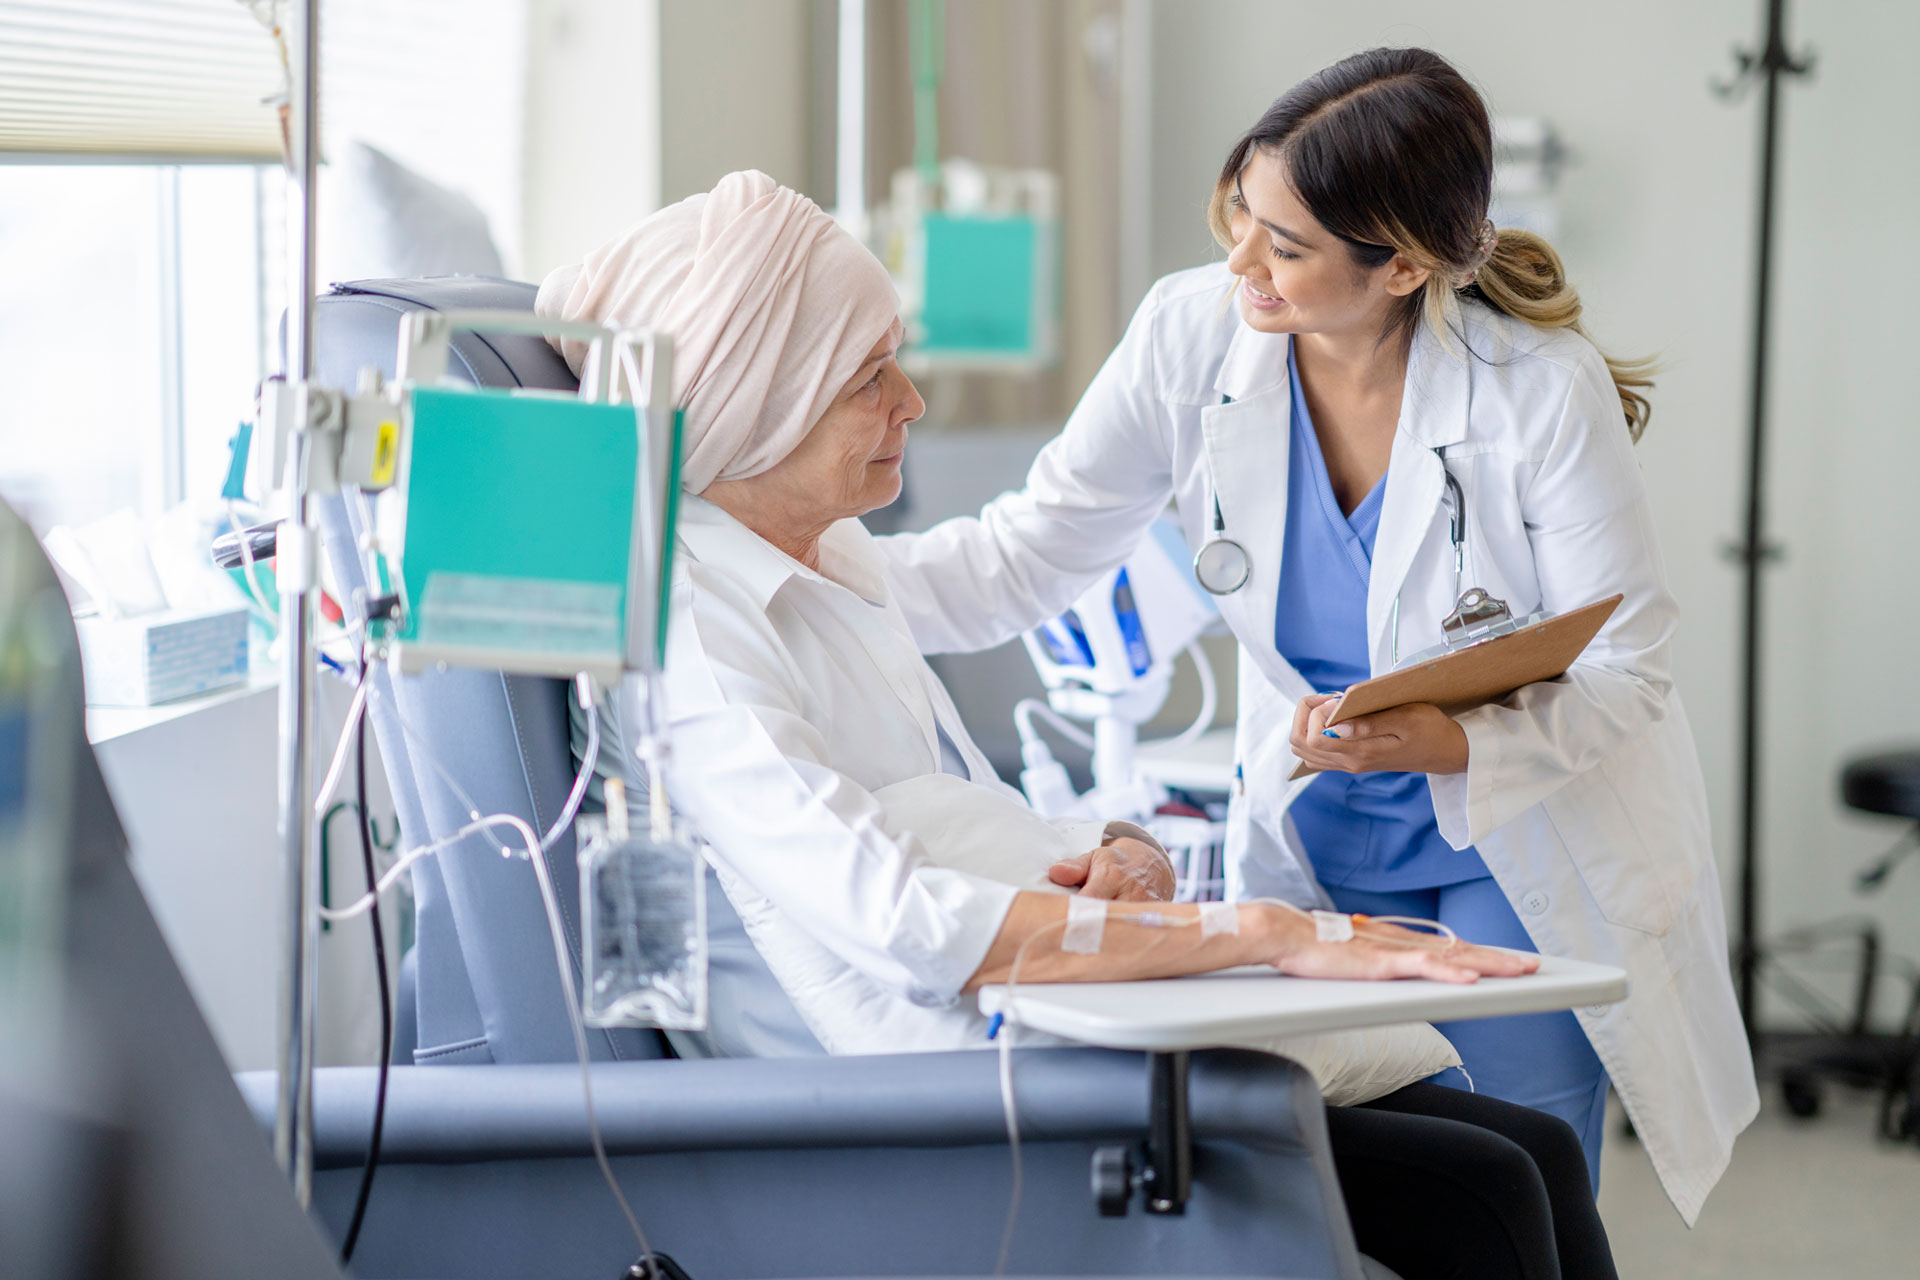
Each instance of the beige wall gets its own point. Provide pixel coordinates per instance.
(735, 86)
(635, 103)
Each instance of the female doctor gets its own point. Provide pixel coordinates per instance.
(1374, 404)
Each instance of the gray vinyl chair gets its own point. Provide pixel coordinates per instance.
(785, 1164)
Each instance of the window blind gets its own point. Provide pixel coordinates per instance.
(144, 80)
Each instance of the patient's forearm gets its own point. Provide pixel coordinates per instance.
(1174, 943)
(1127, 949)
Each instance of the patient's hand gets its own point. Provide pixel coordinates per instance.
(1124, 870)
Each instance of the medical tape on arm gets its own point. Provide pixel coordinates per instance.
(1332, 926)
(1217, 918)
(1086, 923)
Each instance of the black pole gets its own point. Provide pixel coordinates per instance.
(1754, 551)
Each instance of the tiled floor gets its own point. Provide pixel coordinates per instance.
(1803, 1198)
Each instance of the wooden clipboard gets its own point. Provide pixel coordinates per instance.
(1471, 677)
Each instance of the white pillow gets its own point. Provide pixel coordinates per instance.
(383, 221)
(987, 832)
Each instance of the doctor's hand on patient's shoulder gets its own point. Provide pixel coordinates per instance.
(1124, 870)
(1417, 738)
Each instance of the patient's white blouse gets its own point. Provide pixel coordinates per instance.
(794, 696)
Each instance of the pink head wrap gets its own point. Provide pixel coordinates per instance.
(771, 305)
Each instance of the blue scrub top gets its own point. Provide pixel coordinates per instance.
(1373, 831)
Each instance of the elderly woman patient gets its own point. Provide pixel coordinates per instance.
(880, 869)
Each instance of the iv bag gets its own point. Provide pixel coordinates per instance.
(643, 925)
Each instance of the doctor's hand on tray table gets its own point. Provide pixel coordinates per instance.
(1415, 738)
(1122, 870)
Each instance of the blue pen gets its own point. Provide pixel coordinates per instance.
(1330, 733)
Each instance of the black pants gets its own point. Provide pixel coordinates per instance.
(1440, 1184)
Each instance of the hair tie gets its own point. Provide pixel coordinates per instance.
(1483, 246)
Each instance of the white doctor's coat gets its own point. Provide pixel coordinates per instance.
(1583, 795)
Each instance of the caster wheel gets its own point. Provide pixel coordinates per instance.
(1112, 1181)
(1801, 1092)
(1910, 1121)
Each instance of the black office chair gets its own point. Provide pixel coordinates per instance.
(1844, 1045)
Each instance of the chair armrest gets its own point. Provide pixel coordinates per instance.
(462, 1114)
(747, 1167)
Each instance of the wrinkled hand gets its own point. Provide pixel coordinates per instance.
(1416, 738)
(1379, 951)
(1125, 870)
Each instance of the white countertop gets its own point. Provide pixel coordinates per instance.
(107, 723)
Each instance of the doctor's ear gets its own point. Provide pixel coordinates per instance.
(1401, 277)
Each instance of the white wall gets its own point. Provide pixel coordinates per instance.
(438, 85)
(197, 795)
(592, 128)
(1657, 230)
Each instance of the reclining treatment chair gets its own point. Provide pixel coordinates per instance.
(748, 1167)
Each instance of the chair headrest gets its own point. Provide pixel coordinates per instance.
(361, 323)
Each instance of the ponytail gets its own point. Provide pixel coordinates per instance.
(1525, 279)
(1392, 150)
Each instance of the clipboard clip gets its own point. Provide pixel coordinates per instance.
(1476, 619)
(1477, 616)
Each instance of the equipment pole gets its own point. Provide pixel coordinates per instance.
(293, 1119)
(1754, 552)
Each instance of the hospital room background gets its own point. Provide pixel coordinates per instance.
(142, 281)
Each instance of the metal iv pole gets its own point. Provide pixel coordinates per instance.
(297, 576)
(1753, 552)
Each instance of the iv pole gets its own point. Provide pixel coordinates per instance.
(1753, 552)
(296, 573)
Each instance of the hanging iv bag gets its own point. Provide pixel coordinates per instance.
(643, 889)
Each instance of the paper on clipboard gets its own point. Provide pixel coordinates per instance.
(1473, 676)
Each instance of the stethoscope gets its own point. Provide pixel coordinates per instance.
(1222, 566)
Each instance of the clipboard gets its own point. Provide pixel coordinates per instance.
(1479, 673)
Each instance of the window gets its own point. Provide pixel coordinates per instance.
(141, 290)
(134, 308)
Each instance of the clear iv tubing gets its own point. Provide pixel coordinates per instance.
(556, 930)
(567, 813)
(584, 691)
(364, 903)
(1148, 919)
(355, 710)
(1007, 1108)
(1008, 1020)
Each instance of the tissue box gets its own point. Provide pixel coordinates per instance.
(157, 657)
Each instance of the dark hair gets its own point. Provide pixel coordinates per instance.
(1392, 151)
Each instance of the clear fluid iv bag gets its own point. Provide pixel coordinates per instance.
(644, 920)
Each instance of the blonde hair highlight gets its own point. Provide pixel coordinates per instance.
(1391, 150)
